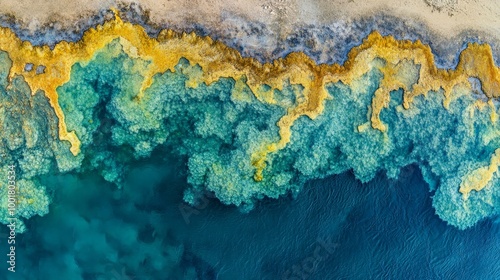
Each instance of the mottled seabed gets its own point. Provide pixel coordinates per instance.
(161, 155)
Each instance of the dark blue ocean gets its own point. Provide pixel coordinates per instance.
(337, 228)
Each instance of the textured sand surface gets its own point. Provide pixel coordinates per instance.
(447, 17)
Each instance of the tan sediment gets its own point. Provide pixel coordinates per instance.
(447, 18)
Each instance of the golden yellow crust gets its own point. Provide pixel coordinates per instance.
(479, 178)
(217, 60)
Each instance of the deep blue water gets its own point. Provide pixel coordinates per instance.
(337, 228)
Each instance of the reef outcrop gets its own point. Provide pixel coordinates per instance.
(248, 129)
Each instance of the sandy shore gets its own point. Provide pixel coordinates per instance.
(445, 17)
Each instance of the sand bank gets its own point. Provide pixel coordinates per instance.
(445, 17)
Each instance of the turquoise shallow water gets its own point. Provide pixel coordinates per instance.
(385, 229)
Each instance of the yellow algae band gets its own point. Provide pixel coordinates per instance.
(217, 60)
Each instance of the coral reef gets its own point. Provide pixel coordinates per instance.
(250, 130)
